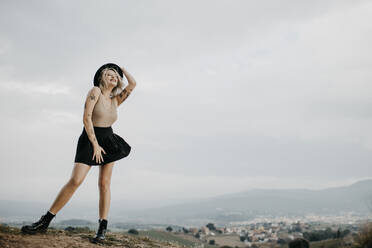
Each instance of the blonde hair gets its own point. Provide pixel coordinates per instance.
(117, 89)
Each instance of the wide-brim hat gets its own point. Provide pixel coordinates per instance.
(108, 65)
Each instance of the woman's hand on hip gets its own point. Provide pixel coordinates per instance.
(97, 153)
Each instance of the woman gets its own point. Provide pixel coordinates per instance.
(98, 145)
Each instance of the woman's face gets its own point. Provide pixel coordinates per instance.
(111, 78)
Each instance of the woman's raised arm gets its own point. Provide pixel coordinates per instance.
(128, 89)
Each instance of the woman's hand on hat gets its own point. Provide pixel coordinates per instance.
(97, 153)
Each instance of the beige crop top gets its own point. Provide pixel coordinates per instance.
(104, 112)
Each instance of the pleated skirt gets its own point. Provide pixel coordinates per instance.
(115, 147)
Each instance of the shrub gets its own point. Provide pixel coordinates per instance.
(318, 235)
(77, 229)
(133, 231)
(281, 241)
(299, 243)
(211, 226)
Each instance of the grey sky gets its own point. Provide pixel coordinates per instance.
(231, 94)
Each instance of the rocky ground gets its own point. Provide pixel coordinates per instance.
(12, 237)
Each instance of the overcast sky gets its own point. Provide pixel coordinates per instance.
(231, 95)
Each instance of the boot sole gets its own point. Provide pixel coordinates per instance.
(33, 232)
(97, 241)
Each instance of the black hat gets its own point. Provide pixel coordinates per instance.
(108, 65)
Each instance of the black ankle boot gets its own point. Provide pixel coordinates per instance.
(100, 235)
(39, 226)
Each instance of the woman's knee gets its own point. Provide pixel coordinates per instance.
(104, 184)
(79, 172)
(75, 182)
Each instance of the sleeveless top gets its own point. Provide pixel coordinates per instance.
(104, 113)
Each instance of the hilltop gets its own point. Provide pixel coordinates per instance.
(11, 237)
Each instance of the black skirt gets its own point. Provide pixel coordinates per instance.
(115, 147)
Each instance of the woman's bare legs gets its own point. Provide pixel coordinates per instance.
(104, 182)
(78, 175)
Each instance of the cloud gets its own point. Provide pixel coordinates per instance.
(36, 88)
(257, 91)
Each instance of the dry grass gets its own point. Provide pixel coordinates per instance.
(364, 238)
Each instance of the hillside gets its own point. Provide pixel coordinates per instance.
(11, 237)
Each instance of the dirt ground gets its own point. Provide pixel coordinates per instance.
(12, 237)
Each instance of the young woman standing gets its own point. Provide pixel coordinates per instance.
(98, 145)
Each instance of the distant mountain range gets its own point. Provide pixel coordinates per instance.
(221, 209)
(276, 202)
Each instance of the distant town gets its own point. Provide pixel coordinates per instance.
(280, 230)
